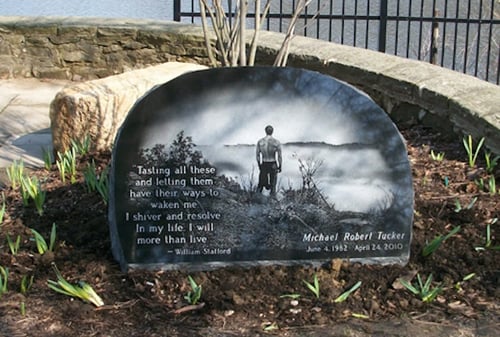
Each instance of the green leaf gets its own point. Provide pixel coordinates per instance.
(82, 290)
(436, 242)
(314, 288)
(409, 286)
(346, 294)
(41, 244)
(429, 297)
(427, 285)
(52, 237)
(359, 315)
(292, 296)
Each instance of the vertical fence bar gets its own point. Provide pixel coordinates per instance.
(466, 39)
(434, 34)
(408, 30)
(490, 35)
(177, 10)
(192, 11)
(355, 23)
(367, 30)
(382, 32)
(230, 12)
(455, 37)
(342, 23)
(291, 11)
(398, 14)
(330, 29)
(478, 45)
(443, 40)
(498, 67)
(318, 8)
(421, 20)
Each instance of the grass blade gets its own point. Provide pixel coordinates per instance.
(346, 294)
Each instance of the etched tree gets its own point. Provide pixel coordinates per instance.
(182, 151)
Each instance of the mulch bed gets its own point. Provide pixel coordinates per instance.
(247, 301)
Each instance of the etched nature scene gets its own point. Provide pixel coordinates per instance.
(258, 225)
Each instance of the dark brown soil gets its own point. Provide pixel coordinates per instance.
(248, 301)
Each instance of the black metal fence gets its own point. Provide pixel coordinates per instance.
(462, 35)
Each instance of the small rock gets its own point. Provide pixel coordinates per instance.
(238, 300)
(372, 306)
(403, 303)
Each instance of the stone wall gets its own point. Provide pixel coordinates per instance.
(88, 48)
(84, 48)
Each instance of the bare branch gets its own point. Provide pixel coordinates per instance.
(282, 57)
(242, 40)
(259, 19)
(208, 45)
(231, 47)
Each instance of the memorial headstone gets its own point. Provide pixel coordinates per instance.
(199, 180)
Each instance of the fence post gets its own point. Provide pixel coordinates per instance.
(177, 10)
(382, 32)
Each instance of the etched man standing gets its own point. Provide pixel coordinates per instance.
(269, 160)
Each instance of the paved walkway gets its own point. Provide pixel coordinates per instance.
(24, 119)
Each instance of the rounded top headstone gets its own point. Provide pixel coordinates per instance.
(198, 181)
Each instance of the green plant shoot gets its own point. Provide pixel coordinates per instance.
(13, 246)
(32, 188)
(267, 327)
(66, 164)
(26, 283)
(347, 293)
(292, 296)
(15, 172)
(492, 185)
(458, 205)
(4, 277)
(41, 244)
(102, 186)
(437, 156)
(488, 241)
(490, 163)
(467, 277)
(423, 290)
(81, 290)
(479, 183)
(47, 158)
(81, 147)
(22, 308)
(471, 153)
(2, 209)
(61, 166)
(314, 287)
(25, 195)
(194, 295)
(437, 241)
(96, 182)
